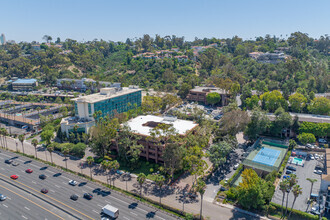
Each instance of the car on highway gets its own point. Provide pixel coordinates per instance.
(9, 161)
(73, 182)
(2, 197)
(74, 197)
(44, 190)
(42, 176)
(88, 196)
(29, 171)
(15, 163)
(14, 177)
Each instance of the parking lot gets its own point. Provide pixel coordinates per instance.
(307, 171)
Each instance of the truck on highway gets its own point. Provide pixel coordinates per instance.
(110, 211)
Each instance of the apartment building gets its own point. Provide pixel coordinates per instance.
(199, 93)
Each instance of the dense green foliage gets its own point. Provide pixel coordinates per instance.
(318, 129)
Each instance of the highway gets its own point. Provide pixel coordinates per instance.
(60, 192)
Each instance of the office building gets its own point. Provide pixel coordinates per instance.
(24, 84)
(2, 39)
(199, 93)
(108, 102)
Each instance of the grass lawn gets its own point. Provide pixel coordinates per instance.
(143, 167)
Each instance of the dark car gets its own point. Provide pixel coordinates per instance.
(288, 172)
(74, 197)
(8, 161)
(291, 168)
(88, 196)
(42, 176)
(44, 191)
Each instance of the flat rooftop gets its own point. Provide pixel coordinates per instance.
(22, 81)
(211, 89)
(145, 123)
(97, 97)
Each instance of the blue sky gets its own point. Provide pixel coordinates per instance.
(28, 20)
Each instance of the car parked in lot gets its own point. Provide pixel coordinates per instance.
(286, 177)
(323, 141)
(2, 197)
(44, 190)
(29, 171)
(14, 177)
(312, 157)
(73, 182)
(291, 168)
(319, 172)
(9, 161)
(88, 196)
(236, 166)
(288, 172)
(74, 197)
(42, 176)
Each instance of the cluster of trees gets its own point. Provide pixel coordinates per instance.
(227, 66)
(298, 102)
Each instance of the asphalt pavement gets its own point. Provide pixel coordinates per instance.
(60, 192)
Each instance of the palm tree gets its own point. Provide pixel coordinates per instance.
(50, 149)
(200, 187)
(90, 161)
(160, 179)
(297, 190)
(65, 151)
(35, 143)
(114, 165)
(283, 187)
(141, 179)
(292, 182)
(312, 182)
(21, 139)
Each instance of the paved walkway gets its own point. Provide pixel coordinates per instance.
(170, 196)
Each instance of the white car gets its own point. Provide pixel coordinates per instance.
(312, 157)
(2, 197)
(323, 141)
(236, 166)
(309, 146)
(319, 172)
(316, 156)
(73, 182)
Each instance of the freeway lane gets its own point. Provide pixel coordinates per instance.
(60, 191)
(22, 205)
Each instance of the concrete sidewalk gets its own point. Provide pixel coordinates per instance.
(171, 196)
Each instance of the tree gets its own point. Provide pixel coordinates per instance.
(218, 153)
(259, 124)
(213, 98)
(297, 190)
(252, 102)
(160, 180)
(90, 161)
(297, 102)
(283, 120)
(320, 106)
(35, 143)
(312, 181)
(283, 188)
(21, 138)
(306, 138)
(184, 90)
(141, 179)
(50, 149)
(115, 166)
(292, 144)
(235, 88)
(200, 187)
(292, 181)
(273, 100)
(233, 122)
(47, 38)
(47, 135)
(65, 152)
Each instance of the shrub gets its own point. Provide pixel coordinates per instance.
(151, 170)
(78, 150)
(232, 194)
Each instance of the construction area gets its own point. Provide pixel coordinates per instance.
(26, 115)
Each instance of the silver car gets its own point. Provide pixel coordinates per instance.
(2, 197)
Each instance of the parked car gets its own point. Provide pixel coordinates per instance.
(288, 172)
(319, 172)
(311, 157)
(73, 182)
(236, 166)
(8, 161)
(316, 156)
(291, 168)
(323, 141)
(309, 146)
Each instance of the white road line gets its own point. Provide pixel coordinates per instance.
(66, 178)
(57, 186)
(26, 208)
(5, 205)
(64, 182)
(95, 211)
(24, 217)
(99, 205)
(107, 201)
(89, 187)
(22, 171)
(8, 198)
(133, 213)
(126, 218)
(34, 182)
(52, 190)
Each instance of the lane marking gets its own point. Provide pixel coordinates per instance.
(100, 205)
(34, 182)
(48, 197)
(52, 190)
(126, 218)
(5, 205)
(24, 217)
(133, 213)
(107, 201)
(89, 187)
(31, 202)
(95, 211)
(27, 208)
(57, 186)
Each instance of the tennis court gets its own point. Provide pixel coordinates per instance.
(267, 156)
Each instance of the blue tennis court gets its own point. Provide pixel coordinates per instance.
(267, 156)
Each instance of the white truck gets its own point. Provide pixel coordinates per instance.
(110, 211)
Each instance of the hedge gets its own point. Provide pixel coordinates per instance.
(238, 171)
(295, 213)
(285, 161)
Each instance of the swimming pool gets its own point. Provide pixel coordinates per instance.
(297, 161)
